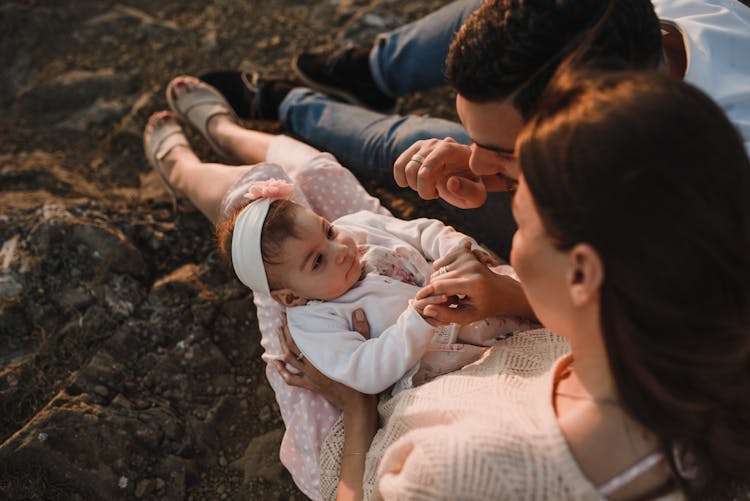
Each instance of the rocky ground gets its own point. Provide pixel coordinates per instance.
(129, 357)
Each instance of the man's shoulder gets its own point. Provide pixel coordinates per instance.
(677, 9)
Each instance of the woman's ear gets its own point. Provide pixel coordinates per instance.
(287, 298)
(585, 275)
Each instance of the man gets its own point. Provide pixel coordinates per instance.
(514, 43)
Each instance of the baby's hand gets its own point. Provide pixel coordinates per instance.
(421, 304)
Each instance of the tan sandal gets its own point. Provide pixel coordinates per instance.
(159, 141)
(198, 106)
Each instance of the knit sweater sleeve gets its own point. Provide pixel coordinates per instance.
(449, 463)
(485, 432)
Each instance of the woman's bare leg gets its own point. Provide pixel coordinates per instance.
(204, 184)
(244, 145)
(247, 146)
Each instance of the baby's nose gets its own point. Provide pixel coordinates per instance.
(341, 253)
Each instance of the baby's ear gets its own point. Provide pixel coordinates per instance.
(287, 298)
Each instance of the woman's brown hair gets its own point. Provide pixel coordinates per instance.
(649, 171)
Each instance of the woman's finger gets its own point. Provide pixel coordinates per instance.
(282, 343)
(360, 323)
(289, 378)
(292, 350)
(298, 363)
(446, 265)
(420, 304)
(288, 340)
(287, 355)
(452, 256)
(424, 292)
(445, 315)
(291, 360)
(452, 286)
(485, 258)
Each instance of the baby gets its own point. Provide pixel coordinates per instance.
(322, 273)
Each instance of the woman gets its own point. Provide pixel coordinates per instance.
(633, 245)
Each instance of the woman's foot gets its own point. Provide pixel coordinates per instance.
(165, 145)
(205, 109)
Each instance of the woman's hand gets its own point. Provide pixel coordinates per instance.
(420, 303)
(458, 255)
(482, 292)
(360, 410)
(308, 376)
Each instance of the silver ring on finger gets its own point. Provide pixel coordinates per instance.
(417, 158)
(442, 270)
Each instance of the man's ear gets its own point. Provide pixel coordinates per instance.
(586, 274)
(287, 298)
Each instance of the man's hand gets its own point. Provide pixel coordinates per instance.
(443, 172)
(482, 292)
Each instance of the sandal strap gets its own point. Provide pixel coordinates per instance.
(168, 142)
(198, 107)
(157, 144)
(211, 102)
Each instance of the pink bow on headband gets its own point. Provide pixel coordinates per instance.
(272, 188)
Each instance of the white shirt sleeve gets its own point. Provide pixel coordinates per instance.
(367, 365)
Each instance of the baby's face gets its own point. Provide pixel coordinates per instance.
(322, 263)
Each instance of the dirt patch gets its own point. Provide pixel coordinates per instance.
(129, 357)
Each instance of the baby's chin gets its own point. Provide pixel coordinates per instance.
(359, 271)
(354, 275)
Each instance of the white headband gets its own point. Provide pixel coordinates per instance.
(247, 259)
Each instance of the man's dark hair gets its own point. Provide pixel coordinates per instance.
(511, 48)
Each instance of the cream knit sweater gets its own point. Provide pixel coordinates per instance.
(488, 431)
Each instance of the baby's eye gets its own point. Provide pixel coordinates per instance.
(317, 262)
(331, 233)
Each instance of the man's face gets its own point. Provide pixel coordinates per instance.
(493, 127)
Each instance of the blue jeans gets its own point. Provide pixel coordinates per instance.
(407, 59)
(412, 57)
